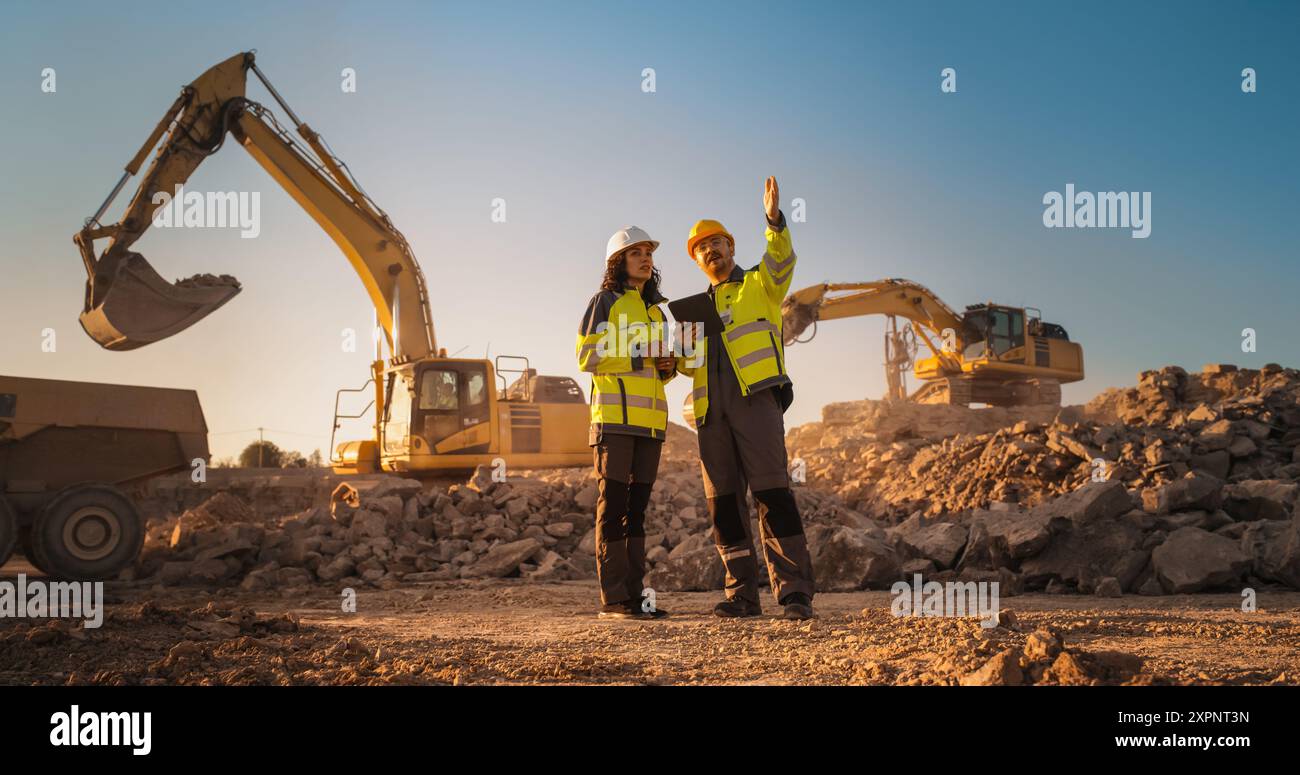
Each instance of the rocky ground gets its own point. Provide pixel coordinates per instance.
(1185, 483)
(513, 631)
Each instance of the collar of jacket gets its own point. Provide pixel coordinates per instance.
(737, 276)
(659, 298)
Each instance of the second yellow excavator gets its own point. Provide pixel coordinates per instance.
(432, 413)
(990, 354)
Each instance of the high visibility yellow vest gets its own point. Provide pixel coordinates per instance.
(749, 303)
(618, 340)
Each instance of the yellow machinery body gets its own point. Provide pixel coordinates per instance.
(990, 354)
(469, 420)
(453, 414)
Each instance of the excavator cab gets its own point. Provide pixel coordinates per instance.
(992, 330)
(1006, 329)
(436, 407)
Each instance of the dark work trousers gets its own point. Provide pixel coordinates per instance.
(742, 442)
(627, 466)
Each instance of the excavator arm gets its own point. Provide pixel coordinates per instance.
(895, 297)
(128, 305)
(1022, 361)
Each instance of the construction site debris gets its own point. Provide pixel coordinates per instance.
(1113, 498)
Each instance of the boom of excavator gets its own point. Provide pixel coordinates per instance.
(989, 354)
(431, 413)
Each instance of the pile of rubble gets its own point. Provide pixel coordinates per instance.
(387, 531)
(890, 459)
(1187, 482)
(267, 492)
(1042, 658)
(378, 531)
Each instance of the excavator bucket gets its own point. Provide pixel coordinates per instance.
(139, 307)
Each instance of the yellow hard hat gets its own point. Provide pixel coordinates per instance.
(703, 230)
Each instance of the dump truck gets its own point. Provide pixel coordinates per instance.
(70, 452)
(433, 414)
(990, 354)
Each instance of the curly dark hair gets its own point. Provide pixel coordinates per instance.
(616, 279)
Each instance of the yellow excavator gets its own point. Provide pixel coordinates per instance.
(432, 413)
(990, 354)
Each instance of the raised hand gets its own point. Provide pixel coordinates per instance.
(772, 199)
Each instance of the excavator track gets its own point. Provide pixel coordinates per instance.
(957, 391)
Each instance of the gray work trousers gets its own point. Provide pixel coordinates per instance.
(742, 442)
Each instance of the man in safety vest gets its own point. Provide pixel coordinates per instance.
(739, 395)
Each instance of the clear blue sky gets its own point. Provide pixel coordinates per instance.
(541, 105)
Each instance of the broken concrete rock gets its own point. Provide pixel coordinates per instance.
(846, 559)
(1082, 555)
(1003, 669)
(1215, 436)
(339, 567)
(940, 542)
(1042, 645)
(1274, 549)
(1191, 560)
(1260, 499)
(1109, 587)
(587, 497)
(503, 559)
(1092, 502)
(1195, 490)
(1017, 535)
(696, 570)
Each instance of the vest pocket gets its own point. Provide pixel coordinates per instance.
(622, 394)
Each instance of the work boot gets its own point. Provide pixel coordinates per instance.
(798, 606)
(737, 608)
(639, 602)
(658, 613)
(628, 609)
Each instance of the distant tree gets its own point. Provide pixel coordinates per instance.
(315, 460)
(224, 462)
(270, 456)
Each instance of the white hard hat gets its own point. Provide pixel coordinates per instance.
(626, 237)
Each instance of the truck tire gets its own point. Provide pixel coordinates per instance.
(25, 546)
(8, 530)
(88, 532)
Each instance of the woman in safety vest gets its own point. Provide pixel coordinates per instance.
(622, 344)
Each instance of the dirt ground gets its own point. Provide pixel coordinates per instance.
(513, 632)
